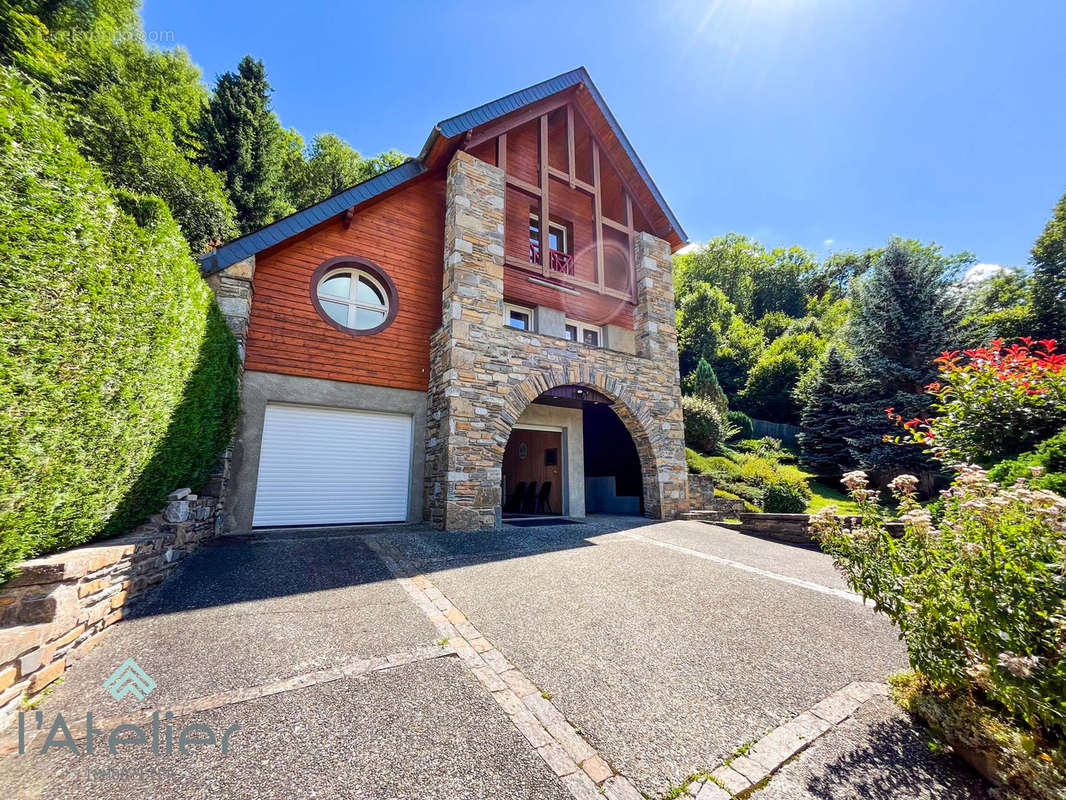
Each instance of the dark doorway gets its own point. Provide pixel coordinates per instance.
(533, 472)
(610, 454)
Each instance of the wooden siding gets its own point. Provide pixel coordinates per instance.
(587, 306)
(571, 205)
(403, 234)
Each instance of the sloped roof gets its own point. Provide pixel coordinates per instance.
(238, 249)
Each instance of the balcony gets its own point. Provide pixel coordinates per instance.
(558, 261)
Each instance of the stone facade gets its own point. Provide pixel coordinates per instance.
(483, 374)
(233, 293)
(55, 608)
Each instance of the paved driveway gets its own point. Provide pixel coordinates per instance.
(614, 658)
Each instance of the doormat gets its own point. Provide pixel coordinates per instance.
(540, 522)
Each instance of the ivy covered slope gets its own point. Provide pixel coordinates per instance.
(118, 375)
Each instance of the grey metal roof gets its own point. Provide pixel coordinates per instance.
(232, 252)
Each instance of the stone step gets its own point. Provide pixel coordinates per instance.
(702, 515)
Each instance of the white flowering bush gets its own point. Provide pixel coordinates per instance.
(979, 594)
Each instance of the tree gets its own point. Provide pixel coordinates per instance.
(778, 282)
(904, 314)
(999, 307)
(767, 393)
(136, 112)
(244, 141)
(840, 270)
(726, 262)
(704, 314)
(705, 384)
(1048, 258)
(774, 324)
(332, 166)
(737, 353)
(131, 109)
(826, 420)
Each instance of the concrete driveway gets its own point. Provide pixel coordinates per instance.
(614, 658)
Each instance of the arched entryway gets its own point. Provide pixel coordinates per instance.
(588, 440)
(570, 455)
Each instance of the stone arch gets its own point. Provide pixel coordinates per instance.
(631, 411)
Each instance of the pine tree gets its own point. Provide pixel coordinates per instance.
(1048, 258)
(705, 384)
(244, 141)
(904, 315)
(825, 422)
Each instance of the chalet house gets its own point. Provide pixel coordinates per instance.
(485, 330)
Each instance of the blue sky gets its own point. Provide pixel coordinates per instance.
(831, 124)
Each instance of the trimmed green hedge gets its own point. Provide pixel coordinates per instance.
(118, 375)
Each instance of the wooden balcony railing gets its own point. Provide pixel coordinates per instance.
(557, 261)
(561, 262)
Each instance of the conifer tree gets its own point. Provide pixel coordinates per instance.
(1048, 258)
(826, 419)
(244, 141)
(705, 384)
(904, 315)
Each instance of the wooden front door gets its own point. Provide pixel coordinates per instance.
(534, 456)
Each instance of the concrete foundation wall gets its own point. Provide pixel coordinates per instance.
(260, 388)
(570, 420)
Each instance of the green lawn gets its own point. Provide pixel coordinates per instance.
(825, 495)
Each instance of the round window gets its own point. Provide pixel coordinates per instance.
(353, 295)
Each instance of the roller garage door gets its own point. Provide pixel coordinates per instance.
(330, 466)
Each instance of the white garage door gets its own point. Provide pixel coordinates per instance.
(323, 466)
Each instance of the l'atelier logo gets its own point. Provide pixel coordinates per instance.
(160, 736)
(129, 679)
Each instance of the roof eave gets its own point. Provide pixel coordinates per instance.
(276, 232)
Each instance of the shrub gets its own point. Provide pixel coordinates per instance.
(1044, 468)
(995, 402)
(117, 372)
(767, 447)
(742, 422)
(786, 498)
(980, 598)
(705, 425)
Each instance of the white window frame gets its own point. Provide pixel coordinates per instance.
(352, 301)
(581, 327)
(560, 231)
(525, 310)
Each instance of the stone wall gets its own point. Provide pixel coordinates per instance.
(792, 528)
(55, 608)
(233, 293)
(700, 492)
(483, 374)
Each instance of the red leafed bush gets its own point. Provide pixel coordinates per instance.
(992, 403)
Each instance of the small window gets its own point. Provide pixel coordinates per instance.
(591, 335)
(353, 295)
(558, 234)
(518, 317)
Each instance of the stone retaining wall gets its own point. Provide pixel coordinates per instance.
(55, 608)
(793, 528)
(700, 492)
(730, 506)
